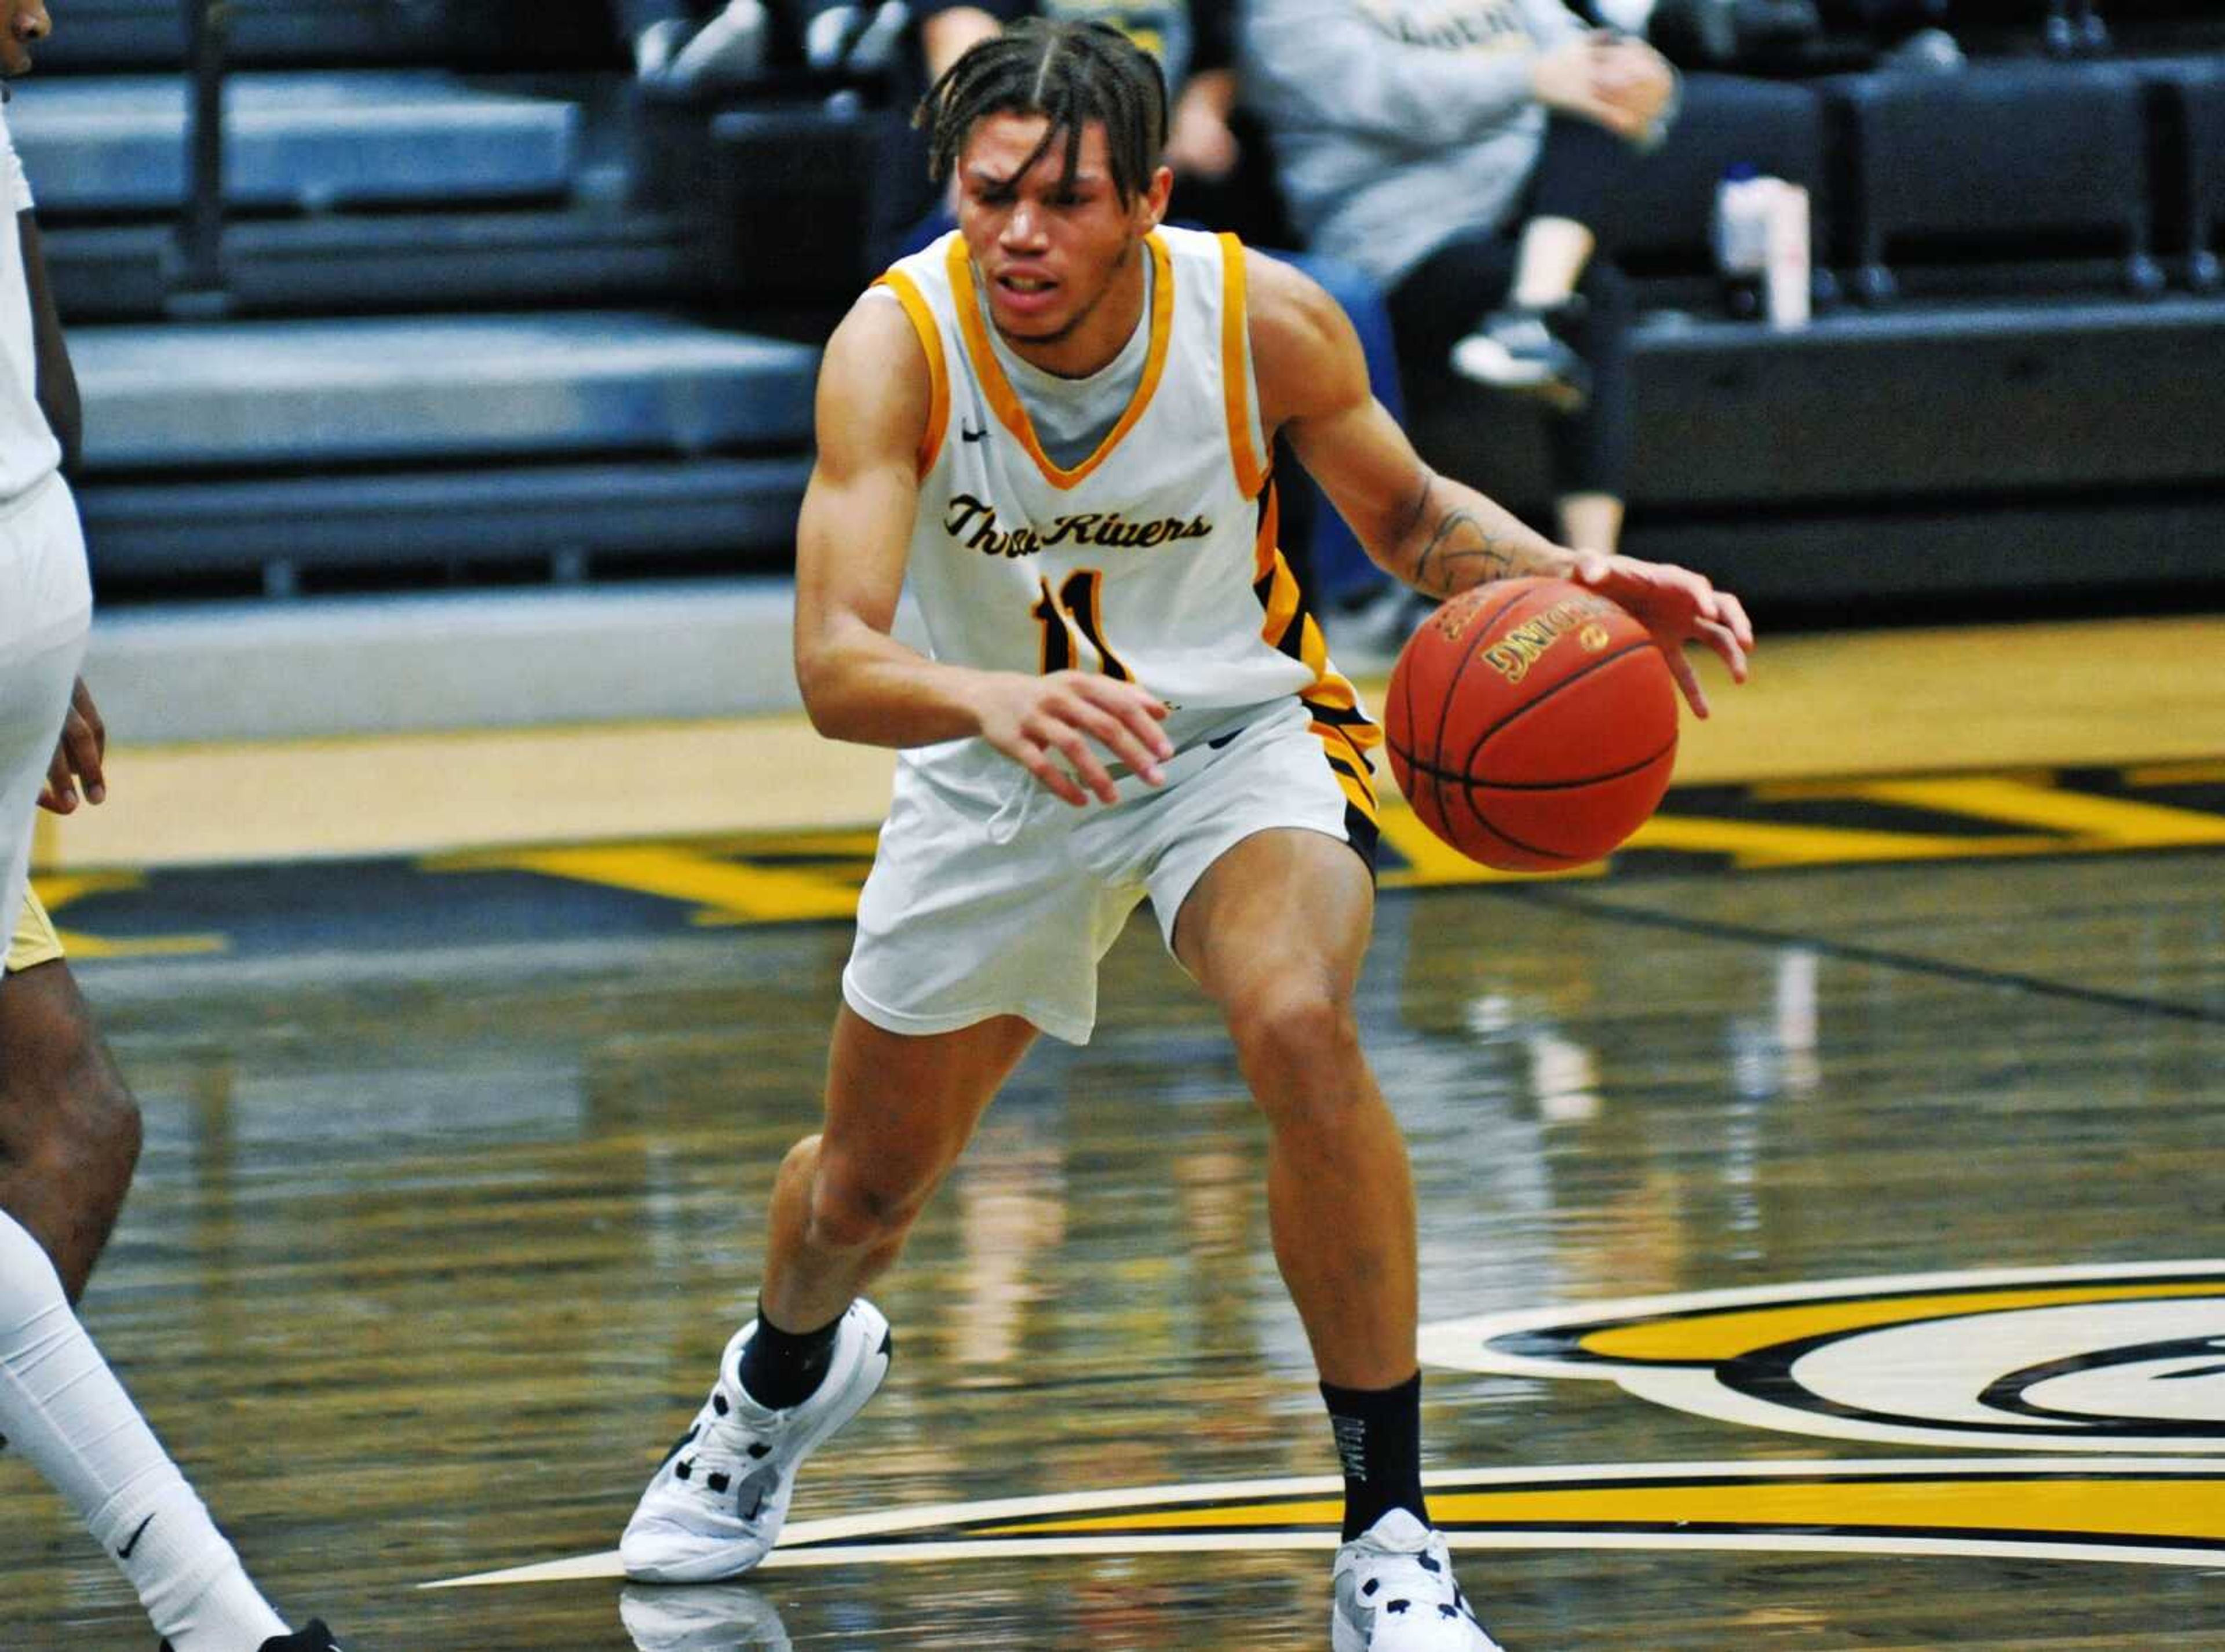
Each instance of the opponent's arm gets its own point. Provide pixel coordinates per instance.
(853, 539)
(79, 752)
(55, 381)
(1437, 535)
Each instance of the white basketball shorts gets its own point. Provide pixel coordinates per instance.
(45, 611)
(957, 925)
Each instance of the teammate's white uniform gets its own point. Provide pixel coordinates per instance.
(1152, 558)
(46, 594)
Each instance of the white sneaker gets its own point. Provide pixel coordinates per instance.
(1395, 1593)
(702, 1620)
(715, 1506)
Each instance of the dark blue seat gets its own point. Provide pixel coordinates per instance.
(2008, 173)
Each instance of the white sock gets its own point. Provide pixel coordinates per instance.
(63, 1410)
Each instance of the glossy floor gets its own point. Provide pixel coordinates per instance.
(431, 1252)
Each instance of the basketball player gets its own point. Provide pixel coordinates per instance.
(1056, 422)
(59, 1405)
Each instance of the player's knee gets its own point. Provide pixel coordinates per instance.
(858, 1210)
(63, 1103)
(94, 1132)
(1294, 1026)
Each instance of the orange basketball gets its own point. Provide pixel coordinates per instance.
(1531, 724)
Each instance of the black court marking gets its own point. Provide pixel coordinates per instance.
(1848, 952)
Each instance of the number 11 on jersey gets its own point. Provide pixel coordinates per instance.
(1074, 609)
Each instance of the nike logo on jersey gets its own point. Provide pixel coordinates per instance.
(967, 433)
(125, 1554)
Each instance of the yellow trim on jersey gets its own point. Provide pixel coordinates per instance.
(1330, 695)
(938, 375)
(1266, 545)
(1350, 765)
(1236, 382)
(35, 940)
(1283, 599)
(1006, 401)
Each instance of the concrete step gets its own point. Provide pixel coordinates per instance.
(299, 141)
(192, 672)
(434, 389)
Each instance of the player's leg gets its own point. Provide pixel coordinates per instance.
(60, 1407)
(69, 1128)
(1276, 931)
(899, 1111)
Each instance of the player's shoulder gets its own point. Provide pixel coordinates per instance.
(1303, 346)
(874, 380)
(1288, 313)
(876, 327)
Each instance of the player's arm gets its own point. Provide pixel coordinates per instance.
(84, 743)
(1437, 535)
(853, 540)
(56, 378)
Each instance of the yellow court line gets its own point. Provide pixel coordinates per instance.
(2032, 697)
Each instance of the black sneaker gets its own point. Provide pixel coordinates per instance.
(1516, 350)
(312, 1638)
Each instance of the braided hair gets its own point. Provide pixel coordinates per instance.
(1071, 73)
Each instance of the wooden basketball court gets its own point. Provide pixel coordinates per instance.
(1820, 1209)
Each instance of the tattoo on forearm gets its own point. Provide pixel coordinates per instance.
(1461, 552)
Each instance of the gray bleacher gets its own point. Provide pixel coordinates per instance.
(311, 141)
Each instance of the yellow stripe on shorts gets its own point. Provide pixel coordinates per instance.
(35, 940)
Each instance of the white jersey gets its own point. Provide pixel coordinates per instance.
(28, 451)
(1153, 559)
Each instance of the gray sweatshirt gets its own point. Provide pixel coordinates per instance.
(1399, 124)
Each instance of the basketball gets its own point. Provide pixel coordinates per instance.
(1531, 724)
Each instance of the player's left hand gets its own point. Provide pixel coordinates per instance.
(1678, 606)
(77, 757)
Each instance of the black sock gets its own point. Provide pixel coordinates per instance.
(1378, 1441)
(783, 1367)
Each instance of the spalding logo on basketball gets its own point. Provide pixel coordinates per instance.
(1531, 724)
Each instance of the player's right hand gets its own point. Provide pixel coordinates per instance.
(1053, 726)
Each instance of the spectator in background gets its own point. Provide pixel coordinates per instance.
(1459, 153)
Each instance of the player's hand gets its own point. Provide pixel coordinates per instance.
(77, 757)
(1678, 606)
(1053, 727)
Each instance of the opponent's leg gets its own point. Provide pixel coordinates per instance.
(898, 1112)
(69, 1128)
(1341, 1205)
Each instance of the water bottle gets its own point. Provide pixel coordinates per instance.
(1741, 240)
